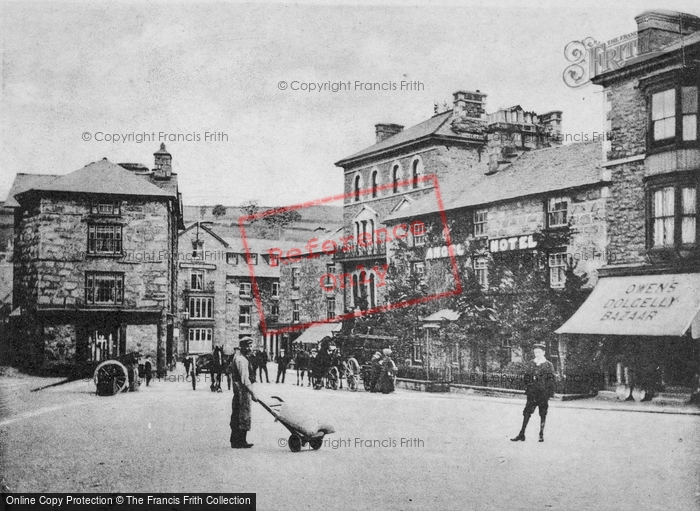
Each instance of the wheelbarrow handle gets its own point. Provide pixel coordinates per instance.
(277, 398)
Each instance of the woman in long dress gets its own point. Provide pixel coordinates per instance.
(388, 374)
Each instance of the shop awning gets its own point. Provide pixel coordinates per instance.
(644, 305)
(315, 334)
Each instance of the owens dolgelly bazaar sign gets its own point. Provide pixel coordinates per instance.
(645, 305)
(590, 58)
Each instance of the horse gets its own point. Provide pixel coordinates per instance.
(301, 363)
(217, 367)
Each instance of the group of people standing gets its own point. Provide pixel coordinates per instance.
(383, 372)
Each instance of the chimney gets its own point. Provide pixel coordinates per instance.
(163, 163)
(385, 131)
(659, 27)
(468, 104)
(552, 126)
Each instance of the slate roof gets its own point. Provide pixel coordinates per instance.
(24, 182)
(533, 173)
(438, 125)
(103, 177)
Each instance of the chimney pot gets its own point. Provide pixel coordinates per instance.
(384, 131)
(659, 27)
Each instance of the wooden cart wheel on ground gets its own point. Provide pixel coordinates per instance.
(294, 443)
(111, 377)
(316, 443)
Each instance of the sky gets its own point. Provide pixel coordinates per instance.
(75, 74)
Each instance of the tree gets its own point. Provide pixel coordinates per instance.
(218, 211)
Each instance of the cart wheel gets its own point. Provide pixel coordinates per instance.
(294, 443)
(111, 377)
(316, 443)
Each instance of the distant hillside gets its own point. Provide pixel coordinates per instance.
(312, 218)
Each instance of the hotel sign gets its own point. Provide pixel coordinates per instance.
(525, 242)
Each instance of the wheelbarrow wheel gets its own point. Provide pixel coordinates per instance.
(294, 443)
(111, 377)
(316, 443)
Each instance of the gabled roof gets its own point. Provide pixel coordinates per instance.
(536, 172)
(104, 178)
(437, 125)
(207, 230)
(24, 182)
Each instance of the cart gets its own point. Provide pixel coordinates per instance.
(301, 434)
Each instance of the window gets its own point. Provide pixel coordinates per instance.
(395, 178)
(197, 249)
(275, 290)
(329, 282)
(374, 184)
(674, 116)
(418, 353)
(244, 290)
(357, 188)
(197, 280)
(295, 311)
(557, 269)
(415, 172)
(418, 268)
(104, 288)
(105, 239)
(106, 208)
(201, 307)
(557, 209)
(673, 216)
(275, 309)
(418, 230)
(199, 340)
(296, 277)
(251, 258)
(232, 259)
(480, 222)
(481, 272)
(330, 308)
(244, 315)
(273, 260)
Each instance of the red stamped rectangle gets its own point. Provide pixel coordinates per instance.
(347, 243)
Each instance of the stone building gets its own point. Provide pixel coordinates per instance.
(546, 205)
(94, 264)
(644, 309)
(391, 174)
(216, 295)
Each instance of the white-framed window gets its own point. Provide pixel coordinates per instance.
(296, 312)
(273, 260)
(330, 271)
(417, 353)
(251, 258)
(244, 290)
(275, 289)
(481, 217)
(199, 340)
(674, 215)
(104, 239)
(232, 259)
(104, 288)
(198, 249)
(663, 114)
(418, 230)
(418, 268)
(557, 269)
(112, 208)
(197, 280)
(330, 308)
(244, 315)
(296, 277)
(558, 212)
(481, 271)
(201, 307)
